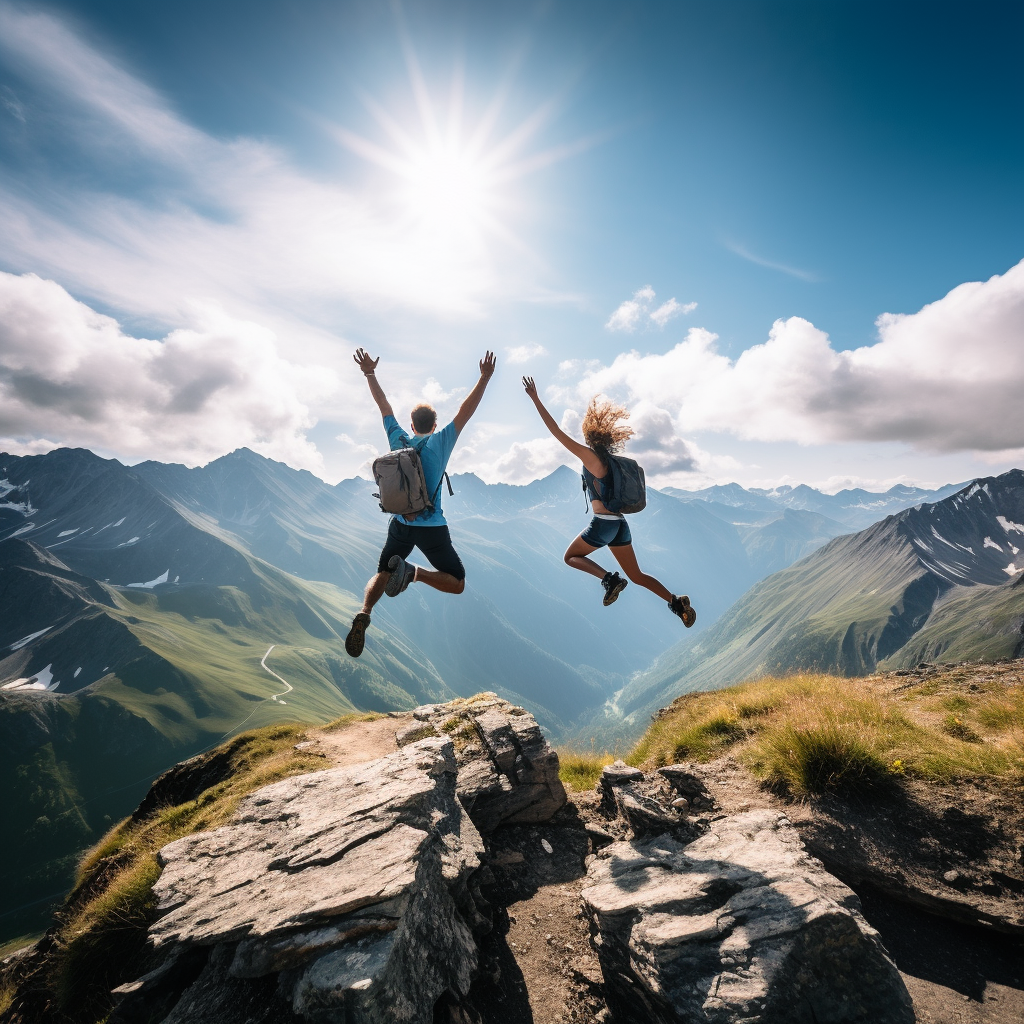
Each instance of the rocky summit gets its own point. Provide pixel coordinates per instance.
(451, 882)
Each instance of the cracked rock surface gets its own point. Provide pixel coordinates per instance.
(740, 924)
(344, 895)
(508, 773)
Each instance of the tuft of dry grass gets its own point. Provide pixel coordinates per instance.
(812, 733)
(580, 769)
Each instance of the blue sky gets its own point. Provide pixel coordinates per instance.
(248, 191)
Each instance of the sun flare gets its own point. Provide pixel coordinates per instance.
(453, 181)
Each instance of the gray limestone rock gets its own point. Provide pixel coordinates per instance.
(618, 772)
(738, 925)
(414, 732)
(643, 802)
(352, 893)
(508, 773)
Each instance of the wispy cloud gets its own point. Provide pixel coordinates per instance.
(519, 354)
(783, 268)
(200, 217)
(637, 312)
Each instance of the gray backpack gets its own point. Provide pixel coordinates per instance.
(402, 488)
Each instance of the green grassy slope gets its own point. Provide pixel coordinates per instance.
(981, 623)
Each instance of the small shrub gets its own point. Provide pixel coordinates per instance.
(959, 729)
(105, 945)
(462, 730)
(816, 759)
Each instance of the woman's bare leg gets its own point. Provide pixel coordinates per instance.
(576, 556)
(624, 555)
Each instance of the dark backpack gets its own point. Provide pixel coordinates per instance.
(402, 487)
(623, 488)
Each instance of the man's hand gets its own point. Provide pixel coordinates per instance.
(365, 363)
(472, 400)
(531, 388)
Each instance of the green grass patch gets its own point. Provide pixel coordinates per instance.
(820, 758)
(814, 733)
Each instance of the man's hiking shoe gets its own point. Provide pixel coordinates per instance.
(402, 574)
(357, 635)
(613, 585)
(681, 606)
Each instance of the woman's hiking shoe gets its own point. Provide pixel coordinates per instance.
(681, 606)
(613, 585)
(402, 574)
(357, 635)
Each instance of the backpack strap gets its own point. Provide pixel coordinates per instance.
(444, 475)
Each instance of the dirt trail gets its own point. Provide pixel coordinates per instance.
(360, 741)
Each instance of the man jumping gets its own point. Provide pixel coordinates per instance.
(427, 531)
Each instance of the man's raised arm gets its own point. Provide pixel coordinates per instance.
(472, 400)
(369, 366)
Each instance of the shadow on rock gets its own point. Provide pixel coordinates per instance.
(956, 956)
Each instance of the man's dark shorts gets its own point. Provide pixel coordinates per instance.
(434, 541)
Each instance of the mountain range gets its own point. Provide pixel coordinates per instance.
(146, 612)
(852, 508)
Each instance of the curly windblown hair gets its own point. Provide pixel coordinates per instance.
(601, 427)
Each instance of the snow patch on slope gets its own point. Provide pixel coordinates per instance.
(153, 583)
(42, 680)
(1008, 526)
(17, 646)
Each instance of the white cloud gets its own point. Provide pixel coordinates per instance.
(667, 310)
(525, 461)
(626, 317)
(637, 310)
(15, 446)
(71, 374)
(947, 378)
(524, 353)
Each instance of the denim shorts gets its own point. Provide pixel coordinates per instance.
(613, 532)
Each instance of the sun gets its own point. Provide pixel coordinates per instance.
(454, 182)
(450, 188)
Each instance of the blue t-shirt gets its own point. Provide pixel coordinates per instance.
(434, 456)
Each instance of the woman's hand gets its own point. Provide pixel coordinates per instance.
(531, 388)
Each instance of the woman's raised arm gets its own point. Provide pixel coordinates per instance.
(586, 455)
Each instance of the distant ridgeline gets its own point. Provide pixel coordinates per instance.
(136, 605)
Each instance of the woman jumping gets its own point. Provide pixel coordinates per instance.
(605, 435)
